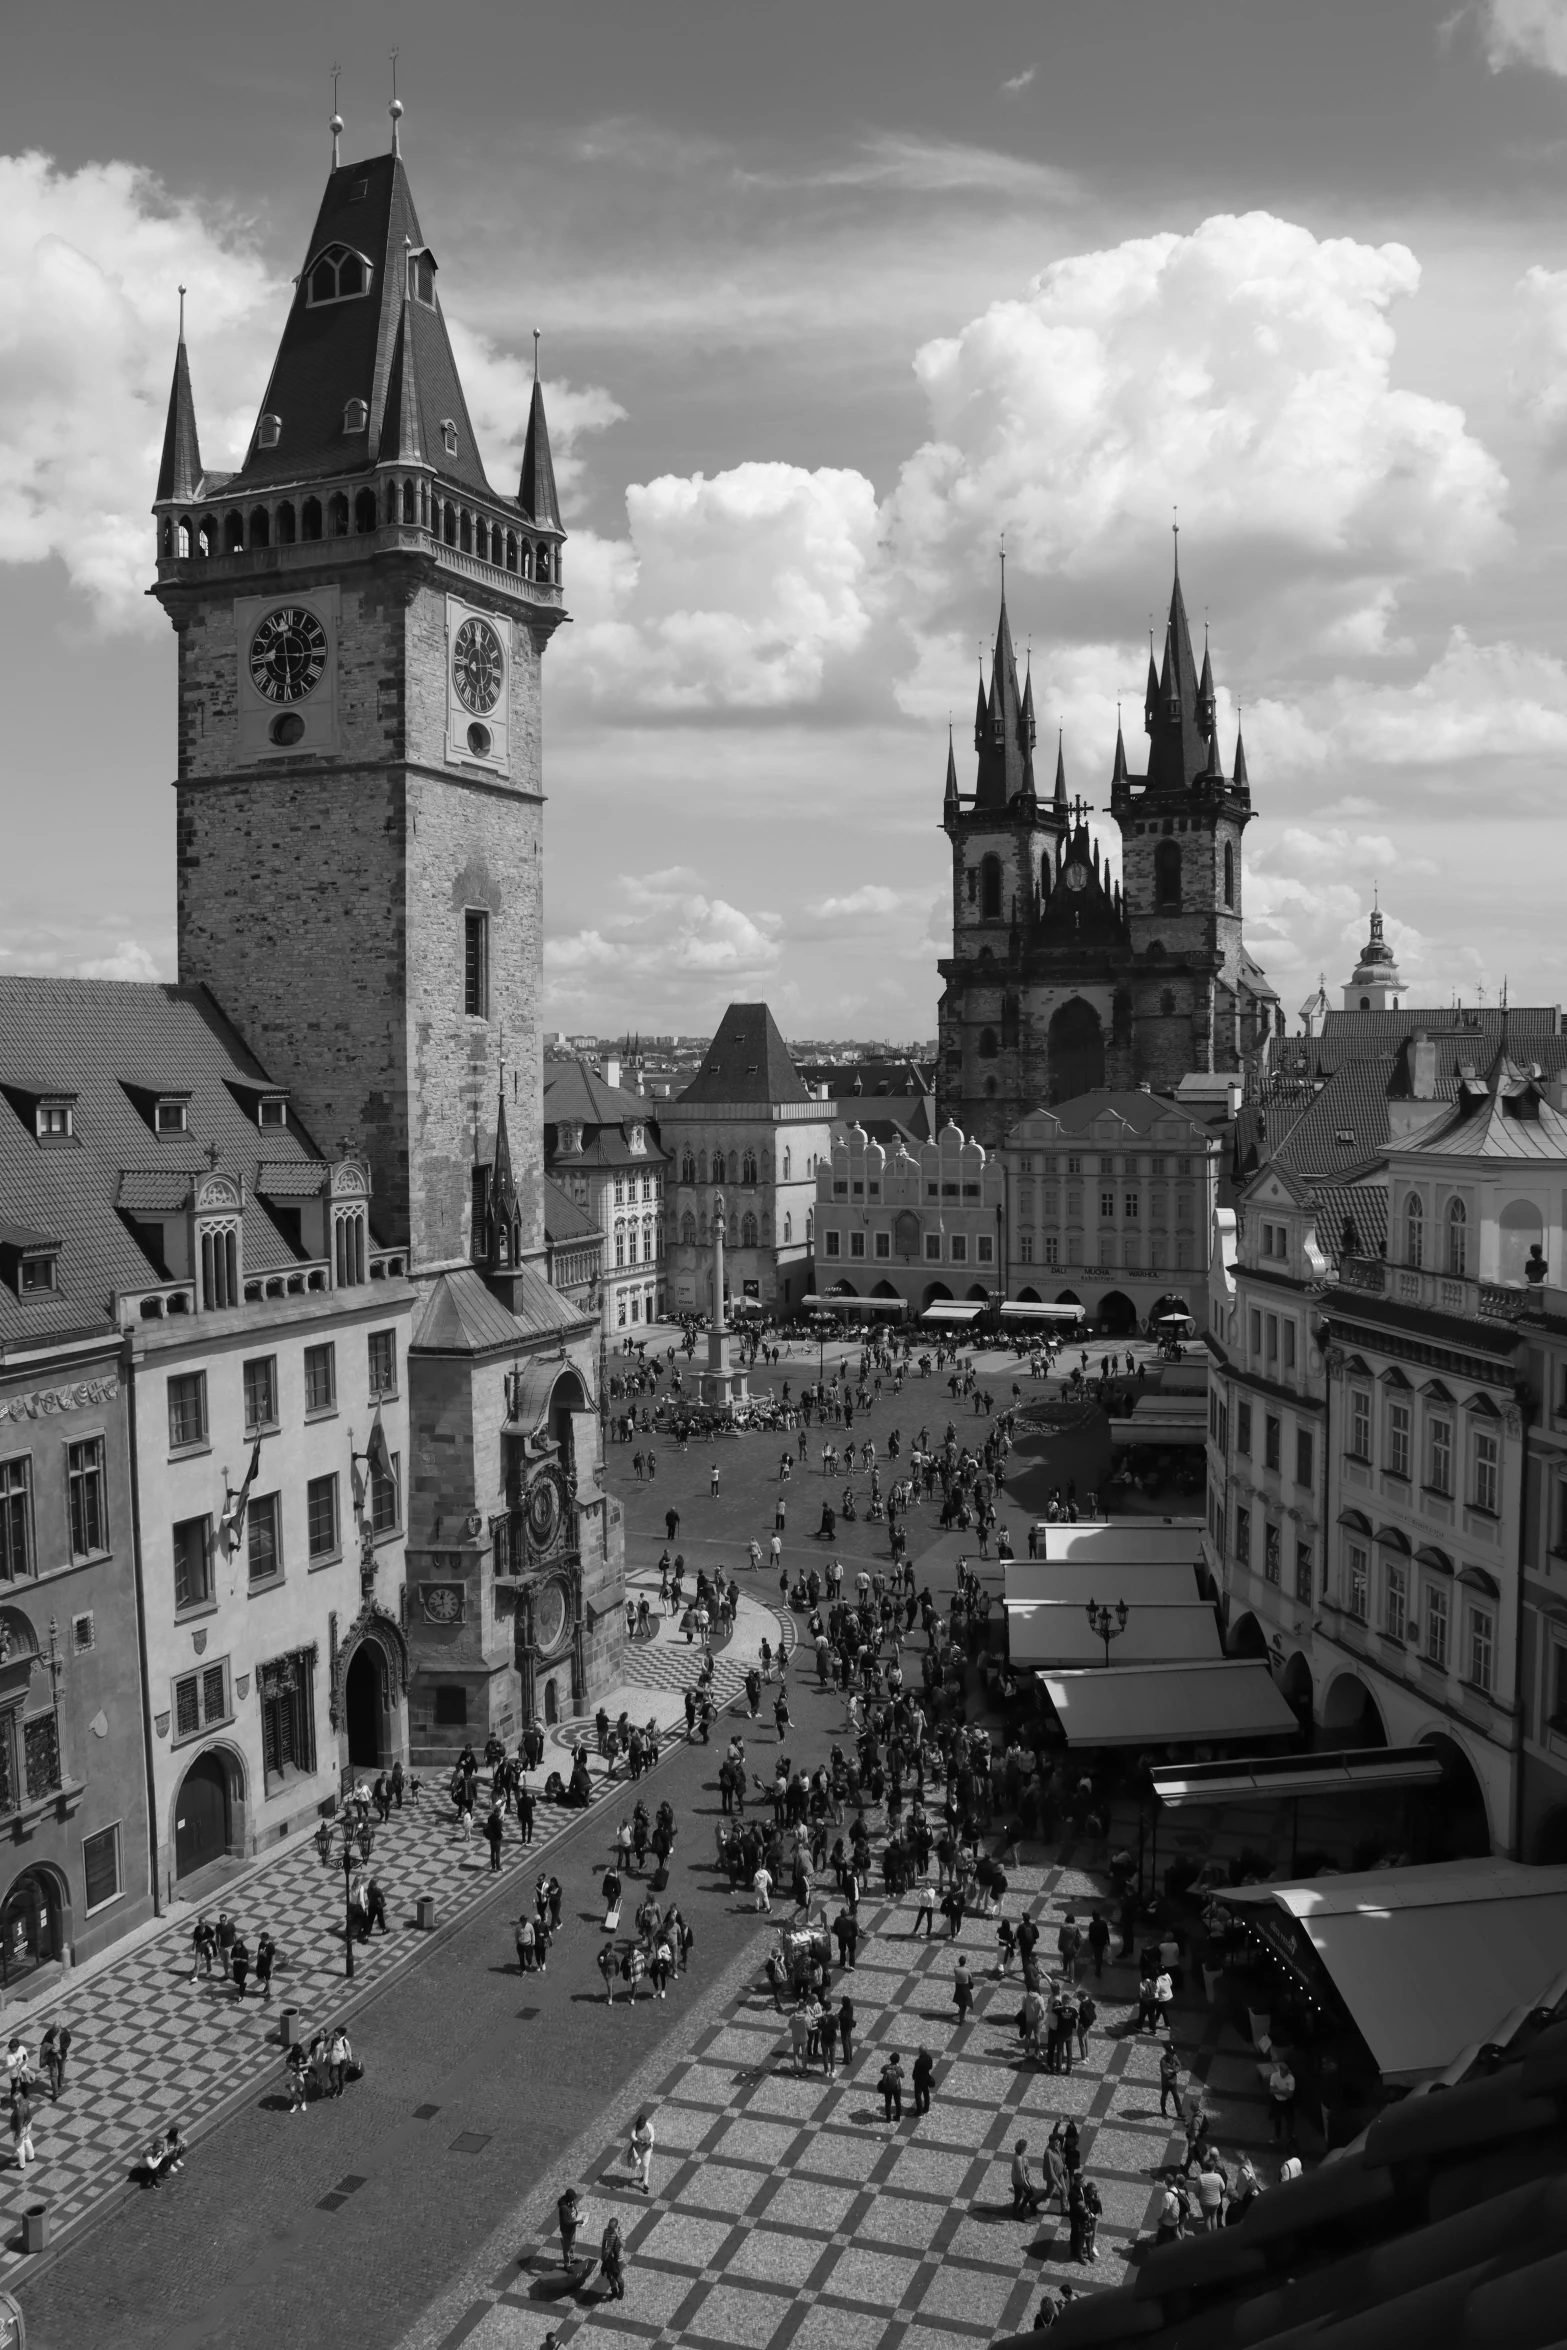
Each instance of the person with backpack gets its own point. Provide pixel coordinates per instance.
(1099, 1939)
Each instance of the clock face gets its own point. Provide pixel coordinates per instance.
(442, 1603)
(478, 666)
(543, 1512)
(1076, 877)
(549, 1616)
(288, 654)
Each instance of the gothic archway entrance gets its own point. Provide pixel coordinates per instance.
(1077, 1051)
(365, 1706)
(1450, 1821)
(30, 1924)
(1117, 1314)
(202, 1815)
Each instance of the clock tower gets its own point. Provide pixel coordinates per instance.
(361, 623)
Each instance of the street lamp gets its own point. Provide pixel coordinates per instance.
(364, 1838)
(1108, 1623)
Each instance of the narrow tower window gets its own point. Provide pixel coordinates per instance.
(1167, 874)
(1229, 873)
(476, 966)
(990, 889)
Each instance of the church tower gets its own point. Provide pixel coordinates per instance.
(1062, 981)
(1375, 985)
(361, 622)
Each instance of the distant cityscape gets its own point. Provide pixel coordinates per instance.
(659, 1066)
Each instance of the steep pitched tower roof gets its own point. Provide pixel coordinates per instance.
(747, 1061)
(1004, 753)
(1178, 744)
(179, 473)
(536, 488)
(349, 315)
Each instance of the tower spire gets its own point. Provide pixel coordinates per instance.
(536, 488)
(1239, 777)
(1060, 790)
(179, 472)
(949, 804)
(1118, 773)
(335, 126)
(395, 110)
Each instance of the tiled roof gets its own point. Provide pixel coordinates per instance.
(461, 1316)
(747, 1061)
(579, 1094)
(1139, 1110)
(1507, 1119)
(291, 1178)
(861, 1080)
(1360, 1035)
(96, 1038)
(564, 1221)
(1365, 1204)
(342, 351)
(1342, 1129)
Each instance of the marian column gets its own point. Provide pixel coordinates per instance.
(722, 1385)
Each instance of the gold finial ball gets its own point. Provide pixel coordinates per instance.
(335, 126)
(395, 110)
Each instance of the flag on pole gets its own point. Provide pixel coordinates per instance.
(232, 1523)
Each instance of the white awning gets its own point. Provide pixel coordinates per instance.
(1056, 1632)
(1118, 1539)
(1264, 1778)
(1028, 1309)
(1428, 1960)
(947, 1309)
(1140, 1582)
(1169, 1704)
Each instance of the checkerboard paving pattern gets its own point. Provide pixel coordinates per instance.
(150, 2045)
(785, 2214)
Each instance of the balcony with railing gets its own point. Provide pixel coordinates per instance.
(1457, 1294)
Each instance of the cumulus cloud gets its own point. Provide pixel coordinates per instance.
(872, 897)
(733, 593)
(1019, 81)
(59, 950)
(1525, 32)
(668, 942)
(90, 271)
(1538, 378)
(1242, 372)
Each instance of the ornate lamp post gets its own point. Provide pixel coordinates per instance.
(1108, 1623)
(364, 1838)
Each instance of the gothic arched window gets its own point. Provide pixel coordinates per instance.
(748, 1231)
(786, 1166)
(1457, 1236)
(688, 1168)
(1414, 1230)
(748, 1168)
(688, 1229)
(990, 889)
(1167, 874)
(788, 1230)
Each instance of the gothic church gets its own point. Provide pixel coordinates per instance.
(1060, 980)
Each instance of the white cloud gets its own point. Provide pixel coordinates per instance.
(90, 271)
(1243, 372)
(733, 594)
(1538, 378)
(672, 945)
(1525, 32)
(872, 897)
(1020, 81)
(58, 951)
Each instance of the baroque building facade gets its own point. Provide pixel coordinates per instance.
(1062, 981)
(601, 1146)
(361, 622)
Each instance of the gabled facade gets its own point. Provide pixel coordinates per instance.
(1062, 981)
(744, 1140)
(925, 1225)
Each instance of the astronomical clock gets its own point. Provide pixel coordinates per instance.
(539, 1569)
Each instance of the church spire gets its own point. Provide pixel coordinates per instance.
(1205, 697)
(1179, 749)
(949, 804)
(1003, 753)
(981, 716)
(401, 435)
(1239, 777)
(536, 489)
(179, 473)
(1118, 772)
(1150, 691)
(1060, 790)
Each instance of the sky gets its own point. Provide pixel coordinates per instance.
(835, 300)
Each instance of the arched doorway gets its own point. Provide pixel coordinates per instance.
(551, 1704)
(936, 1293)
(1077, 1051)
(1170, 1303)
(1450, 1822)
(30, 1924)
(1350, 1716)
(203, 1815)
(365, 1706)
(567, 1396)
(1117, 1313)
(1295, 1687)
(1247, 1637)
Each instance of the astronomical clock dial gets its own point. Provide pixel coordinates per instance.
(288, 654)
(549, 1617)
(543, 1513)
(478, 666)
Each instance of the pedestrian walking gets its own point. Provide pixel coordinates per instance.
(1281, 2099)
(266, 1957)
(761, 1886)
(612, 2256)
(568, 2211)
(494, 1834)
(643, 2137)
(239, 1965)
(890, 2082)
(799, 2037)
(203, 1948)
(923, 2076)
(55, 2050)
(1026, 2197)
(295, 2069)
(926, 1912)
(713, 1486)
(962, 1991)
(846, 2024)
(339, 2057)
(21, 2126)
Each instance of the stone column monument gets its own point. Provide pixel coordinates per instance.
(723, 1384)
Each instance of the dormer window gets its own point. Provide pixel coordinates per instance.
(37, 1275)
(269, 431)
(356, 415)
(172, 1116)
(54, 1119)
(638, 1141)
(421, 277)
(448, 436)
(272, 1110)
(28, 1261)
(336, 276)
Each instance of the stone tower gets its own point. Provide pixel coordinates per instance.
(361, 623)
(1375, 985)
(1060, 980)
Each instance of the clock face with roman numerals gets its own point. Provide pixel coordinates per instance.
(478, 666)
(288, 654)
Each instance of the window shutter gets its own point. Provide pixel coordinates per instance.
(187, 1710)
(213, 1707)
